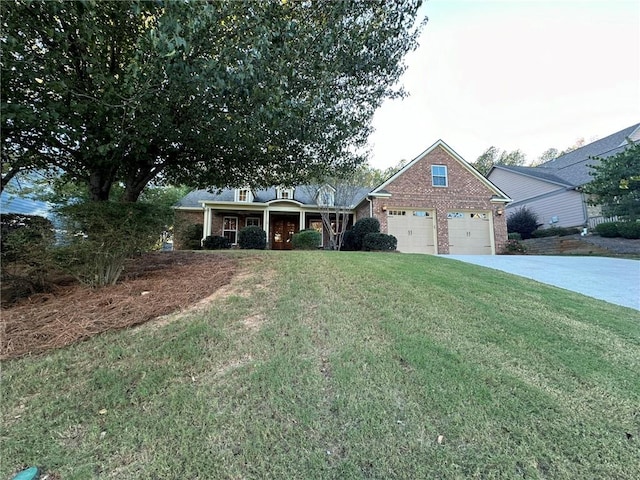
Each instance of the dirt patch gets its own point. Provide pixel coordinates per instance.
(153, 285)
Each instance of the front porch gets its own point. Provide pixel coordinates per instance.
(280, 222)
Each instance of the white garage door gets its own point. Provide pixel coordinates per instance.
(414, 230)
(469, 232)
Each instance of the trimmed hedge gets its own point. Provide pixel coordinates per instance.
(555, 232)
(608, 229)
(629, 229)
(214, 242)
(360, 230)
(308, 239)
(380, 242)
(252, 238)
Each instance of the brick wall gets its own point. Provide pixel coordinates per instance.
(413, 189)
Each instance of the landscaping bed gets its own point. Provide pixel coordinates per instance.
(152, 285)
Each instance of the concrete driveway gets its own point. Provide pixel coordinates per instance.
(613, 280)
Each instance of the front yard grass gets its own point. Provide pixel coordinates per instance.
(342, 365)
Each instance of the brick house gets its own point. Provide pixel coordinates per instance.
(436, 204)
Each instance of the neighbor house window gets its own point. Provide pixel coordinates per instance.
(230, 229)
(252, 222)
(244, 195)
(439, 175)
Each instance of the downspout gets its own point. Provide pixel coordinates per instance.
(370, 206)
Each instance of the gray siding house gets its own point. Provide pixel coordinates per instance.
(553, 190)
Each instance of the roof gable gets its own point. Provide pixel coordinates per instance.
(441, 144)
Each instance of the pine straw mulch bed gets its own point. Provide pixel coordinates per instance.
(151, 286)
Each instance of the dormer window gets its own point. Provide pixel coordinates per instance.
(284, 193)
(244, 195)
(325, 196)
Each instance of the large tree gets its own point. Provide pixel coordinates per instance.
(494, 156)
(208, 94)
(616, 184)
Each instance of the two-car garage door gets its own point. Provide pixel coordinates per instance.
(469, 231)
(414, 229)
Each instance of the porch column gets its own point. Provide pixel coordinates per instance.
(302, 219)
(265, 223)
(207, 222)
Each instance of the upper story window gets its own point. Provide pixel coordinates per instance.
(284, 193)
(439, 176)
(244, 195)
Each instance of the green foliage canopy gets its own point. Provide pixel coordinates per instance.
(197, 93)
(494, 156)
(616, 184)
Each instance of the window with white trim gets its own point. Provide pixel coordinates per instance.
(284, 193)
(230, 229)
(244, 195)
(252, 222)
(439, 176)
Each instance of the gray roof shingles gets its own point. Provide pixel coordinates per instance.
(302, 194)
(572, 169)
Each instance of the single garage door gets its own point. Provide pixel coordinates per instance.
(414, 229)
(469, 232)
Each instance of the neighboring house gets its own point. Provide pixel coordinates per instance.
(437, 204)
(552, 190)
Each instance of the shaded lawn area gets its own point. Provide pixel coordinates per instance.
(342, 365)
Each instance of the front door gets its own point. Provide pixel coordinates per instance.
(282, 230)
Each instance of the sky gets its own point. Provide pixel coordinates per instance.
(514, 74)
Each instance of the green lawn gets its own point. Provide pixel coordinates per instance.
(343, 365)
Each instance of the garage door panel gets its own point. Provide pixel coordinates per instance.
(414, 230)
(469, 233)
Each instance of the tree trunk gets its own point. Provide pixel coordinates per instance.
(100, 184)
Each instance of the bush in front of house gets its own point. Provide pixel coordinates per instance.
(522, 221)
(361, 228)
(514, 236)
(309, 239)
(608, 229)
(555, 232)
(514, 247)
(629, 229)
(379, 242)
(215, 242)
(190, 236)
(252, 238)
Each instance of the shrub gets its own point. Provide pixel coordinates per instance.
(522, 221)
(309, 239)
(555, 232)
(189, 237)
(361, 228)
(379, 242)
(348, 244)
(514, 236)
(26, 258)
(214, 242)
(252, 238)
(101, 236)
(629, 229)
(514, 247)
(608, 229)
